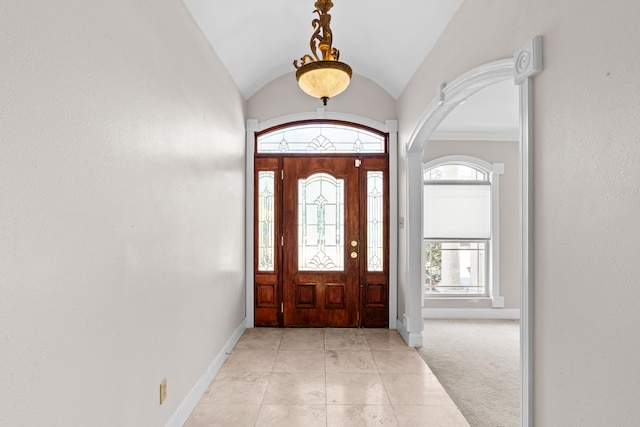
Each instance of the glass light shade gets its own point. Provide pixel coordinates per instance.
(324, 79)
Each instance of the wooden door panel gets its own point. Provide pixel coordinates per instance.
(305, 295)
(323, 291)
(375, 295)
(335, 295)
(357, 294)
(266, 295)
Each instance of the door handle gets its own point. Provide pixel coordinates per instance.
(354, 255)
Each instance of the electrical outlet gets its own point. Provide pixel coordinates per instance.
(163, 391)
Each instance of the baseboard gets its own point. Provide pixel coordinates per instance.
(471, 313)
(189, 403)
(412, 339)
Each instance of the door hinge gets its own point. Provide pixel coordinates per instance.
(282, 241)
(358, 163)
(281, 307)
(282, 174)
(358, 316)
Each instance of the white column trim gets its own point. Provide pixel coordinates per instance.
(251, 129)
(413, 339)
(528, 63)
(392, 130)
(414, 292)
(497, 300)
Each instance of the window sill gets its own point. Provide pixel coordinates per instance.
(496, 301)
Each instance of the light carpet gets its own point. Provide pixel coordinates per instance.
(478, 364)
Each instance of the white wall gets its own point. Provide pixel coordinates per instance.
(121, 185)
(505, 152)
(586, 191)
(282, 96)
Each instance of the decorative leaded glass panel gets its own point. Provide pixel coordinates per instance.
(266, 217)
(375, 221)
(321, 223)
(320, 139)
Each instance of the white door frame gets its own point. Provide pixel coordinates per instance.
(525, 64)
(389, 126)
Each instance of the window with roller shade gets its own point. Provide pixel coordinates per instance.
(457, 230)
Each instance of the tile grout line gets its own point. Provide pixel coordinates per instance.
(269, 380)
(393, 411)
(326, 397)
(279, 350)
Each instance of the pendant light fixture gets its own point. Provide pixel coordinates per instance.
(322, 76)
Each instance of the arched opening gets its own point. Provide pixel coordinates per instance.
(525, 64)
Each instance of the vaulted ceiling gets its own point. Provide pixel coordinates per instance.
(382, 40)
(385, 41)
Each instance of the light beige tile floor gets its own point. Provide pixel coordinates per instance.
(326, 378)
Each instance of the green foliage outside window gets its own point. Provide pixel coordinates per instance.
(433, 264)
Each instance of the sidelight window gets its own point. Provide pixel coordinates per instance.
(266, 214)
(375, 221)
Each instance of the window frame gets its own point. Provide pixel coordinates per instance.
(385, 162)
(350, 126)
(492, 276)
(485, 276)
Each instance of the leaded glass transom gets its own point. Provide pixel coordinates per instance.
(266, 216)
(375, 221)
(320, 138)
(321, 223)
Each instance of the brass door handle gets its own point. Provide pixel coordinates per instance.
(354, 255)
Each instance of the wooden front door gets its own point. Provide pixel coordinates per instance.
(321, 240)
(321, 245)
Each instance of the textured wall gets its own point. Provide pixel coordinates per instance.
(586, 191)
(121, 189)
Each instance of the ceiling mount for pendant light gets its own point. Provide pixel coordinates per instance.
(323, 77)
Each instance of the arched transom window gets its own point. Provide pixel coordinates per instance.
(320, 138)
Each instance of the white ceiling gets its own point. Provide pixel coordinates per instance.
(491, 114)
(382, 40)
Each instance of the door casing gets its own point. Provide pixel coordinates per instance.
(390, 127)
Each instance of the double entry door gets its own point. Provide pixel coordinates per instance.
(325, 219)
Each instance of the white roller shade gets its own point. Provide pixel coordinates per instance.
(457, 211)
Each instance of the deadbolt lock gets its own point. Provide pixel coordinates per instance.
(354, 243)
